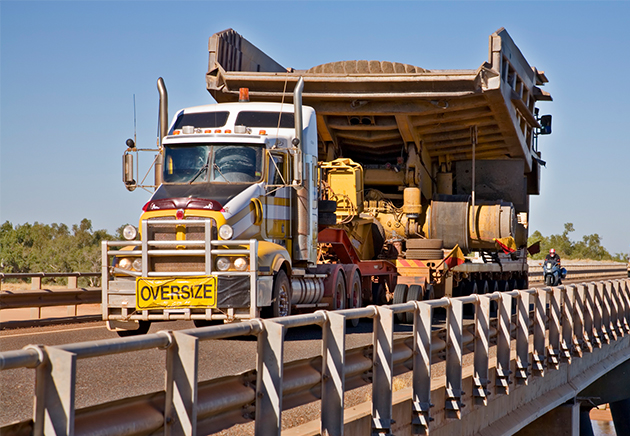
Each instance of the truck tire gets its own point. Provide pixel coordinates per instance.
(427, 244)
(354, 296)
(365, 67)
(280, 297)
(327, 206)
(400, 296)
(414, 293)
(326, 219)
(339, 292)
(143, 329)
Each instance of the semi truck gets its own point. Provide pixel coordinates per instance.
(347, 184)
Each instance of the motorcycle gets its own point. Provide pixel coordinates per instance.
(553, 273)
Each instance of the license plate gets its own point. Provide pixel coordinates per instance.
(176, 293)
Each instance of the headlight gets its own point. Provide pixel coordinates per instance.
(240, 263)
(137, 264)
(124, 263)
(223, 263)
(226, 232)
(130, 232)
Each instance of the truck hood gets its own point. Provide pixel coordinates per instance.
(221, 193)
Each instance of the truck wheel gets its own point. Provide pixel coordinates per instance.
(400, 296)
(354, 300)
(414, 294)
(339, 292)
(281, 297)
(143, 329)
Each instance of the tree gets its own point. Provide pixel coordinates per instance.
(590, 247)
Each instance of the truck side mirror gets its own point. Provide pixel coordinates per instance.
(128, 180)
(545, 125)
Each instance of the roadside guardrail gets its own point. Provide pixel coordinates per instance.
(565, 322)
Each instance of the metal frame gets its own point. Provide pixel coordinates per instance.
(189, 406)
(205, 247)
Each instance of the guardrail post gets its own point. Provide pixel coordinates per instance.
(579, 317)
(522, 338)
(333, 378)
(182, 364)
(382, 371)
(617, 307)
(624, 297)
(504, 338)
(454, 347)
(568, 302)
(53, 412)
(553, 350)
(482, 346)
(540, 320)
(73, 283)
(604, 318)
(270, 372)
(421, 396)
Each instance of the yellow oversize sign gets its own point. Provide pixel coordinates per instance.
(176, 293)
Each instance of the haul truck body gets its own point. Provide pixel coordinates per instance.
(391, 183)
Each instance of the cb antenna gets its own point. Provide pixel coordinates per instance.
(134, 119)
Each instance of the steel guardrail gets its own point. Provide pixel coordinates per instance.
(565, 322)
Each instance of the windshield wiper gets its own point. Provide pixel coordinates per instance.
(215, 166)
(201, 170)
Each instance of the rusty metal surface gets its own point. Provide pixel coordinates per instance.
(373, 109)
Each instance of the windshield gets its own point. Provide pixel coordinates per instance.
(197, 163)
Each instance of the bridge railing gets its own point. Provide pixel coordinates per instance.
(36, 297)
(561, 323)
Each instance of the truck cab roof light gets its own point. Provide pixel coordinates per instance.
(228, 131)
(262, 132)
(177, 132)
(243, 94)
(217, 131)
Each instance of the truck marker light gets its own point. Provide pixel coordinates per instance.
(262, 132)
(217, 131)
(207, 131)
(177, 132)
(179, 214)
(228, 131)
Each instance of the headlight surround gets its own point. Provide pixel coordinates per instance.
(226, 232)
(240, 264)
(130, 232)
(223, 263)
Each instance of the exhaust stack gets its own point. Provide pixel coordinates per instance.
(299, 183)
(163, 123)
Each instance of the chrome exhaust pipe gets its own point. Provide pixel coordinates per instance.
(163, 123)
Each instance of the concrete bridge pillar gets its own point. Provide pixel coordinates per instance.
(564, 420)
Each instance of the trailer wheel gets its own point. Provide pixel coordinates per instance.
(400, 296)
(143, 329)
(354, 299)
(281, 297)
(339, 292)
(414, 294)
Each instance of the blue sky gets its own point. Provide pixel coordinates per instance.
(69, 71)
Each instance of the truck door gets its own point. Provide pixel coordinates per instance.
(277, 202)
